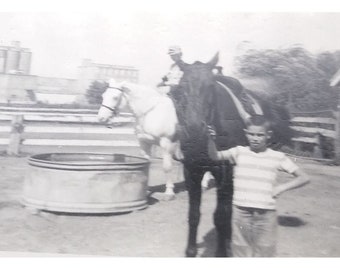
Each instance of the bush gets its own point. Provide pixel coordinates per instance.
(95, 91)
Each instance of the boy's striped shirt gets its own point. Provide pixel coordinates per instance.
(255, 175)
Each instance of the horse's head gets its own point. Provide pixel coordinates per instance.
(197, 85)
(196, 106)
(113, 100)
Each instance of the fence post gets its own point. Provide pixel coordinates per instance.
(317, 146)
(16, 135)
(297, 146)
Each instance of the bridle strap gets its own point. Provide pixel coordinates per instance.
(114, 110)
(107, 107)
(120, 89)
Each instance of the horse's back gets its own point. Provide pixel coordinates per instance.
(161, 121)
(231, 82)
(277, 115)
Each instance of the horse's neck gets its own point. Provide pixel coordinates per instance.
(141, 106)
(141, 99)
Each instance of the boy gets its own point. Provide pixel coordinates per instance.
(254, 219)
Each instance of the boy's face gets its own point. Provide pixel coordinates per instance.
(257, 137)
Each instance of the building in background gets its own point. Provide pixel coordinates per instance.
(14, 59)
(17, 85)
(89, 72)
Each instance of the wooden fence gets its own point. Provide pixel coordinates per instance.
(316, 132)
(34, 130)
(31, 130)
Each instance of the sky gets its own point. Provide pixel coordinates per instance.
(59, 40)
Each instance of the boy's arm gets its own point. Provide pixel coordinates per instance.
(214, 154)
(212, 150)
(300, 180)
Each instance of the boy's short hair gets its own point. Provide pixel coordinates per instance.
(258, 120)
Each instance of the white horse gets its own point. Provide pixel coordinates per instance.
(156, 121)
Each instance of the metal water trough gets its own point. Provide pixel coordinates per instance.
(86, 183)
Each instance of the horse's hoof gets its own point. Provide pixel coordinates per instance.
(191, 252)
(169, 197)
(169, 194)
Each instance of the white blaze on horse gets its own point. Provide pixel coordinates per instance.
(156, 119)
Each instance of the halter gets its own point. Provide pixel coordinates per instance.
(115, 109)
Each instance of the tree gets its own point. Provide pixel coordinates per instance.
(299, 79)
(95, 91)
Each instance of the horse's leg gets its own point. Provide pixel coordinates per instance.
(222, 215)
(193, 179)
(168, 147)
(145, 143)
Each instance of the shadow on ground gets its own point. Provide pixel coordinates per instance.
(290, 221)
(209, 244)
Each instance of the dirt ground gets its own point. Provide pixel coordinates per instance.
(309, 221)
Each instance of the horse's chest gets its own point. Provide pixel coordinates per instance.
(158, 124)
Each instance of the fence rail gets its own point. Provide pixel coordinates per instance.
(58, 128)
(52, 118)
(7, 109)
(316, 131)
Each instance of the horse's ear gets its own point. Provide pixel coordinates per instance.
(213, 62)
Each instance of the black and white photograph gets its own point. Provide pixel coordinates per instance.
(169, 130)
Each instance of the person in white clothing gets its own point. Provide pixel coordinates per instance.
(171, 80)
(254, 218)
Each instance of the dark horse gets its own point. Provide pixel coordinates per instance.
(207, 99)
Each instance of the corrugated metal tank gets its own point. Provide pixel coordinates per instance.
(86, 183)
